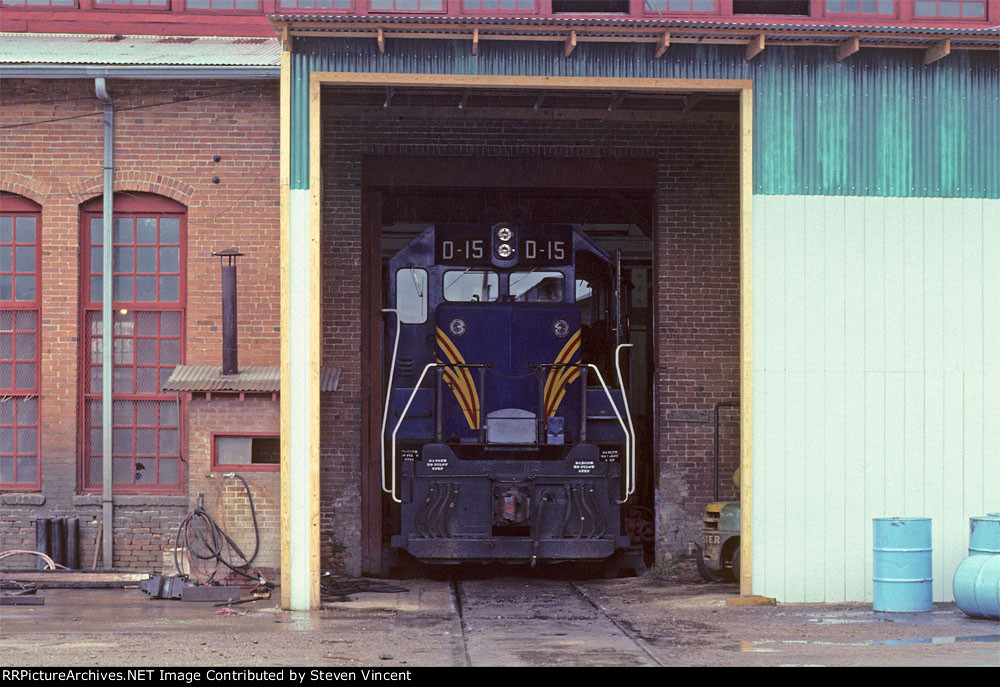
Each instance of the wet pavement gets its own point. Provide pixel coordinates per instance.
(490, 620)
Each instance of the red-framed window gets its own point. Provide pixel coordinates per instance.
(20, 347)
(438, 6)
(131, 4)
(40, 4)
(950, 9)
(499, 6)
(148, 286)
(260, 452)
(879, 9)
(687, 6)
(249, 6)
(314, 5)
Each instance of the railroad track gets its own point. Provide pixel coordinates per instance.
(533, 622)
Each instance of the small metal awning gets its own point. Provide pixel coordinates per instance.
(45, 54)
(259, 379)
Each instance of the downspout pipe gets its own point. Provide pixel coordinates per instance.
(107, 330)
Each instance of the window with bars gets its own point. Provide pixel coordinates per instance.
(482, 6)
(880, 8)
(148, 342)
(33, 4)
(294, 5)
(132, 4)
(406, 5)
(20, 231)
(224, 5)
(950, 9)
(681, 5)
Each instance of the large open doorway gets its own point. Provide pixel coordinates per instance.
(610, 201)
(688, 141)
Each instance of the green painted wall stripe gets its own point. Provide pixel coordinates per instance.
(880, 123)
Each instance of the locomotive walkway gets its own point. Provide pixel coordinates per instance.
(498, 620)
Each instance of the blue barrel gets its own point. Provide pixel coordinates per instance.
(984, 535)
(977, 586)
(902, 571)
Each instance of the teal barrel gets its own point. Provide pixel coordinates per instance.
(984, 535)
(902, 567)
(977, 586)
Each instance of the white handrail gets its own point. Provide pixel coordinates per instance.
(628, 436)
(388, 394)
(629, 487)
(402, 416)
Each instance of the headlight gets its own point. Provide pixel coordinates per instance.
(505, 250)
(560, 328)
(504, 233)
(457, 326)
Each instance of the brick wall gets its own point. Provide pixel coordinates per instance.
(697, 290)
(225, 498)
(163, 147)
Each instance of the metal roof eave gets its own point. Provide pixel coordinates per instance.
(88, 71)
(677, 31)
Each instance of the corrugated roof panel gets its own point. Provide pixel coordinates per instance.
(625, 23)
(250, 379)
(38, 48)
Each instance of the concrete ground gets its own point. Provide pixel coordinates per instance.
(505, 618)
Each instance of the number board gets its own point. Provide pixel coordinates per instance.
(458, 246)
(536, 247)
(540, 247)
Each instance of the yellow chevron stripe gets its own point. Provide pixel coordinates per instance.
(559, 378)
(463, 386)
(567, 352)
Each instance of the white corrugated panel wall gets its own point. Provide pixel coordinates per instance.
(876, 383)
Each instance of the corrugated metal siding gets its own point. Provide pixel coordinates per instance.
(880, 123)
(876, 383)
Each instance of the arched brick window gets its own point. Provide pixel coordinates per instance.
(149, 294)
(20, 347)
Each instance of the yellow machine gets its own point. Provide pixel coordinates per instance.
(719, 555)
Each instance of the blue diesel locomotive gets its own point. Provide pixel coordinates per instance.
(506, 432)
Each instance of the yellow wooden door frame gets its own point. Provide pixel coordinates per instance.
(740, 87)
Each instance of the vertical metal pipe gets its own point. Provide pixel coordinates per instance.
(73, 543)
(438, 405)
(58, 553)
(583, 405)
(230, 343)
(107, 330)
(42, 539)
(482, 401)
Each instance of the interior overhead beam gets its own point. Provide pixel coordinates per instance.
(570, 43)
(937, 51)
(475, 41)
(848, 48)
(755, 46)
(381, 41)
(691, 101)
(662, 44)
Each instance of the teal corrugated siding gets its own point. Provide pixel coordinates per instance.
(880, 123)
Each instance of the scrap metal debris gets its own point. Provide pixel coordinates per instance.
(336, 587)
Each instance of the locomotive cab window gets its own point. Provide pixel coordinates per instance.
(411, 295)
(537, 287)
(471, 286)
